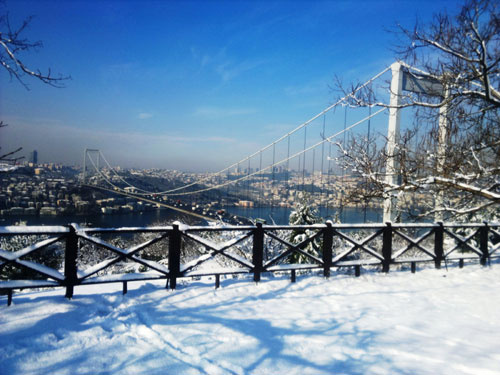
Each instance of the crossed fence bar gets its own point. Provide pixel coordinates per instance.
(482, 244)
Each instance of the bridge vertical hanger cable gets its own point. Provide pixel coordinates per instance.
(219, 191)
(287, 174)
(97, 168)
(261, 193)
(322, 161)
(329, 181)
(342, 213)
(212, 194)
(248, 181)
(312, 173)
(299, 168)
(227, 191)
(304, 162)
(367, 154)
(238, 185)
(331, 187)
(273, 182)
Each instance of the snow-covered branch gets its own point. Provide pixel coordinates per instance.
(448, 161)
(12, 45)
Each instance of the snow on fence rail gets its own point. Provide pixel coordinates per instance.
(194, 251)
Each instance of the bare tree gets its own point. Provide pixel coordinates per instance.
(12, 45)
(10, 156)
(453, 149)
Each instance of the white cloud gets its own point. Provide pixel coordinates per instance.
(200, 139)
(225, 66)
(144, 115)
(318, 87)
(229, 70)
(117, 71)
(218, 112)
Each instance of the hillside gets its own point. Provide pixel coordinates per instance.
(432, 322)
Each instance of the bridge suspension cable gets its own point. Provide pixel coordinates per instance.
(247, 158)
(248, 175)
(328, 139)
(178, 190)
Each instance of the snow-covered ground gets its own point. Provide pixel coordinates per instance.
(431, 322)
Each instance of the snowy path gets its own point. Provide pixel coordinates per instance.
(433, 322)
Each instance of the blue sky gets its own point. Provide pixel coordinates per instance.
(190, 85)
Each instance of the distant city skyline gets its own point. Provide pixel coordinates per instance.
(33, 157)
(189, 85)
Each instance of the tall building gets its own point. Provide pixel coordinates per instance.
(34, 157)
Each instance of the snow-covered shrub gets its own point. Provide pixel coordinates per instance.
(491, 215)
(51, 256)
(304, 214)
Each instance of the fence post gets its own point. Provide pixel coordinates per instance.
(217, 281)
(258, 251)
(438, 244)
(327, 248)
(174, 255)
(387, 247)
(70, 255)
(483, 243)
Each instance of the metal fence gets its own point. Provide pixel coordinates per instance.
(181, 251)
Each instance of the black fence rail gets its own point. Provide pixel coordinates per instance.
(180, 251)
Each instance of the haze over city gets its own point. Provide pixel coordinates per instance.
(189, 85)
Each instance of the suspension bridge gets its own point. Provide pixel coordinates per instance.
(303, 161)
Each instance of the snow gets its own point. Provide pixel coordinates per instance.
(151, 264)
(96, 268)
(34, 229)
(42, 269)
(432, 322)
(7, 167)
(124, 229)
(10, 284)
(20, 253)
(122, 277)
(289, 267)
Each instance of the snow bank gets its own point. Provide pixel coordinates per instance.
(431, 322)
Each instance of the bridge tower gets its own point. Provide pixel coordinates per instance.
(393, 138)
(407, 78)
(87, 154)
